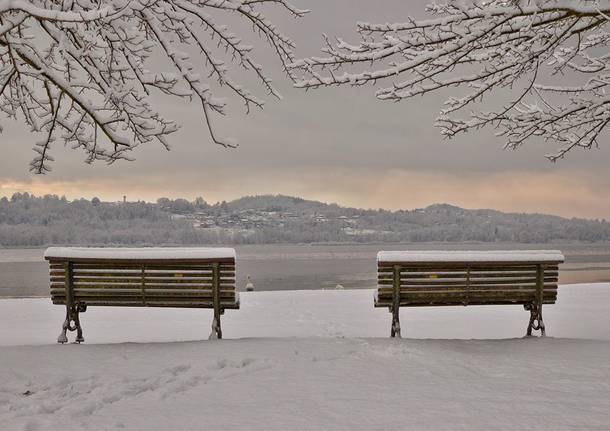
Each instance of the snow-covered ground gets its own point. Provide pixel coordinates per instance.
(309, 360)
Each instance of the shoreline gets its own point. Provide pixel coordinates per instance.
(316, 244)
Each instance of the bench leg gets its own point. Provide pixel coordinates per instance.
(79, 330)
(536, 323)
(216, 328)
(72, 323)
(218, 310)
(395, 332)
(63, 338)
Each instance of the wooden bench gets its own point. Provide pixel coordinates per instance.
(141, 277)
(443, 278)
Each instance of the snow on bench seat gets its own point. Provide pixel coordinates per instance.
(539, 256)
(145, 253)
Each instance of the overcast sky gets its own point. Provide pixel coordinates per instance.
(335, 145)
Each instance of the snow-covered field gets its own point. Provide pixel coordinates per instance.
(309, 360)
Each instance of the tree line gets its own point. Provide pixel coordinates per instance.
(31, 221)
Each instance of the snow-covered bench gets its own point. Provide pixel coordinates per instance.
(437, 278)
(141, 277)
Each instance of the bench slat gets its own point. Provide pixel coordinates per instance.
(457, 265)
(138, 274)
(114, 287)
(452, 268)
(138, 303)
(118, 299)
(455, 304)
(462, 274)
(126, 296)
(459, 296)
(464, 287)
(86, 295)
(147, 280)
(477, 293)
(475, 282)
(507, 290)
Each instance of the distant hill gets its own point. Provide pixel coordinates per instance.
(27, 220)
(277, 203)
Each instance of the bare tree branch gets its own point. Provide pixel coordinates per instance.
(521, 46)
(78, 70)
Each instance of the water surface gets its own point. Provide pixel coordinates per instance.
(23, 272)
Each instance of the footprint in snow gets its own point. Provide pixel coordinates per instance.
(31, 425)
(178, 369)
(226, 363)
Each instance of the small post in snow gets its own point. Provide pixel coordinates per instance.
(249, 285)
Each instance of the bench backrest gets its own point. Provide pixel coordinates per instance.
(466, 278)
(143, 277)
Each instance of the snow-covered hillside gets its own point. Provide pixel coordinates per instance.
(309, 360)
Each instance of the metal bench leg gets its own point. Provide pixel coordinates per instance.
(63, 338)
(216, 328)
(79, 330)
(395, 309)
(536, 323)
(395, 323)
(535, 307)
(72, 323)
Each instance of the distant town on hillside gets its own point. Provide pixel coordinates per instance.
(30, 221)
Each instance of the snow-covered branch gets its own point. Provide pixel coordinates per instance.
(42, 12)
(80, 71)
(522, 46)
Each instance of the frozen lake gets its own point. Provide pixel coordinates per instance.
(23, 272)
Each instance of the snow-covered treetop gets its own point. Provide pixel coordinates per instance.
(550, 55)
(78, 70)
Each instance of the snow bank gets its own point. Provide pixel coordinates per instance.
(309, 360)
(471, 256)
(140, 253)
